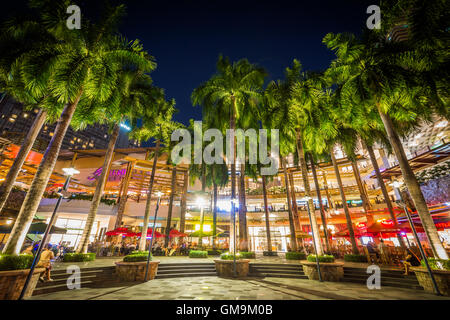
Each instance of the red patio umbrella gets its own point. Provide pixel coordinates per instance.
(120, 231)
(175, 233)
(149, 234)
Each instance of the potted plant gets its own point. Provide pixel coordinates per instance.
(14, 270)
(329, 270)
(441, 273)
(225, 265)
(133, 266)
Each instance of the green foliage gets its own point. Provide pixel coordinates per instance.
(355, 258)
(324, 258)
(198, 254)
(436, 172)
(295, 256)
(434, 263)
(136, 257)
(87, 197)
(246, 255)
(214, 252)
(15, 262)
(228, 256)
(79, 257)
(139, 252)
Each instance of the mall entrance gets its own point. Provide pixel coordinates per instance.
(279, 236)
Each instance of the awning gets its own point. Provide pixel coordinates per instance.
(35, 228)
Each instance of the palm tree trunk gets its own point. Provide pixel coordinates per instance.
(413, 188)
(233, 175)
(214, 215)
(83, 245)
(27, 144)
(37, 188)
(297, 220)
(143, 240)
(362, 193)
(327, 192)
(344, 203)
(169, 213)
(183, 202)
(319, 198)
(376, 168)
(291, 218)
(266, 212)
(124, 194)
(310, 203)
(243, 240)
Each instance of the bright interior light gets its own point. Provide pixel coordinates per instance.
(396, 184)
(159, 194)
(70, 171)
(336, 211)
(305, 199)
(123, 125)
(200, 201)
(8, 221)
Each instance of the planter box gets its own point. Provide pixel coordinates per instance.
(12, 281)
(135, 271)
(330, 271)
(442, 278)
(225, 268)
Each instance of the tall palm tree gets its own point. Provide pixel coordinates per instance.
(159, 128)
(402, 84)
(127, 103)
(82, 66)
(234, 91)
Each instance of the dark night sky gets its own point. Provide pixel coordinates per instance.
(186, 37)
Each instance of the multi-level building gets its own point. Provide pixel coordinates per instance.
(15, 122)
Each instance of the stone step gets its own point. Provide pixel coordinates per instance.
(283, 265)
(396, 284)
(57, 281)
(180, 275)
(269, 271)
(278, 275)
(178, 271)
(385, 276)
(57, 288)
(165, 267)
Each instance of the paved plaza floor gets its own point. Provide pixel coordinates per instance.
(215, 288)
(109, 261)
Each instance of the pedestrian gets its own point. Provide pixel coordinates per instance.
(45, 262)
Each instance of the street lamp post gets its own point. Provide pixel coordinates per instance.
(313, 237)
(149, 257)
(396, 185)
(69, 172)
(200, 202)
(233, 214)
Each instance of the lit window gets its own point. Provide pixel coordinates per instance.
(51, 134)
(25, 115)
(12, 119)
(14, 116)
(71, 141)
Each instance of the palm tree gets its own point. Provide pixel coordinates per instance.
(158, 127)
(233, 92)
(78, 68)
(401, 84)
(127, 103)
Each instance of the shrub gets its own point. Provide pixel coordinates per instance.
(15, 262)
(198, 254)
(137, 257)
(228, 256)
(355, 258)
(79, 257)
(434, 263)
(295, 256)
(139, 252)
(246, 255)
(324, 258)
(214, 252)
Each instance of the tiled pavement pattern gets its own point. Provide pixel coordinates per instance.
(214, 288)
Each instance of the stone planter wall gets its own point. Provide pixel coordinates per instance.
(329, 271)
(224, 268)
(135, 271)
(12, 282)
(442, 278)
